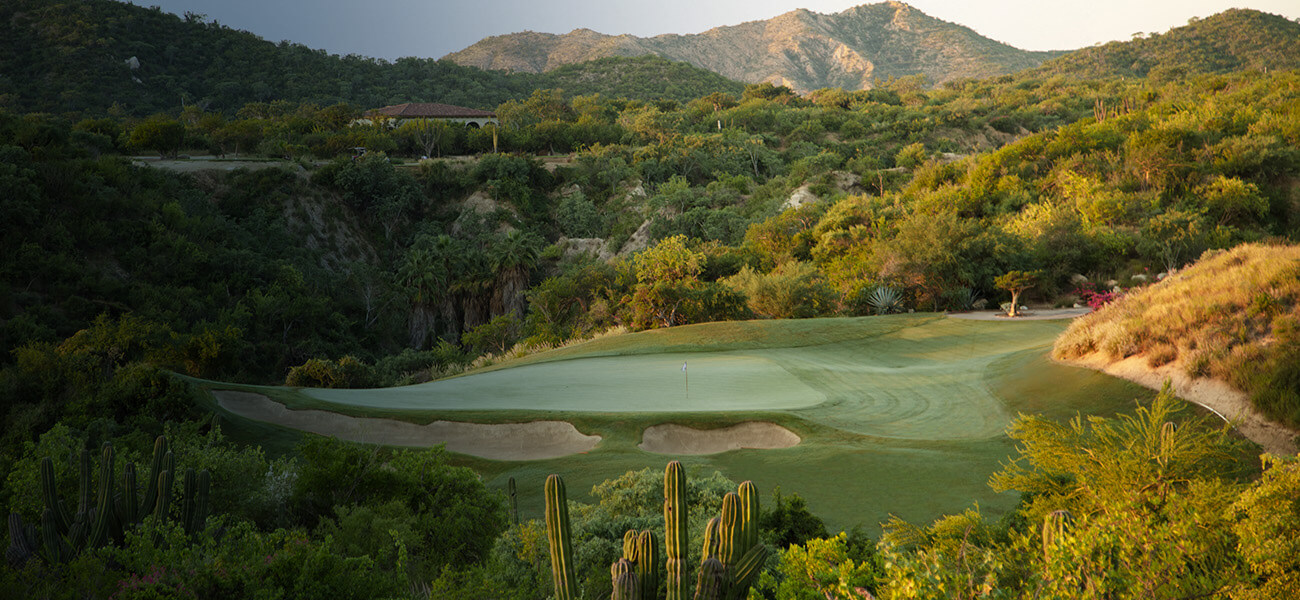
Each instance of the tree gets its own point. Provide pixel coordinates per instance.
(794, 290)
(669, 260)
(1129, 507)
(424, 276)
(431, 135)
(159, 132)
(243, 134)
(1016, 282)
(821, 568)
(1268, 531)
(496, 336)
(512, 257)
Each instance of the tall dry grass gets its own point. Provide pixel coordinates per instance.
(1233, 315)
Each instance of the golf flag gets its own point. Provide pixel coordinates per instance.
(683, 366)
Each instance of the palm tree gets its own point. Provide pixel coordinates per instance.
(422, 279)
(512, 258)
(427, 274)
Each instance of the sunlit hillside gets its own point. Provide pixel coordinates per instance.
(1234, 315)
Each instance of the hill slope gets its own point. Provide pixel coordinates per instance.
(1233, 317)
(800, 49)
(1233, 40)
(88, 56)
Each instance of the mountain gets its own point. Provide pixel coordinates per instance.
(1233, 40)
(92, 55)
(801, 49)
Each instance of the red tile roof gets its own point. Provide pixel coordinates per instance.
(429, 110)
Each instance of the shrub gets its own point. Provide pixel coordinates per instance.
(347, 372)
(795, 290)
(885, 300)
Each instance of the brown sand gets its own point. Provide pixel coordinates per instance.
(507, 441)
(1220, 398)
(671, 438)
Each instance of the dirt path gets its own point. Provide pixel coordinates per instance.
(1220, 398)
(671, 438)
(1028, 315)
(508, 441)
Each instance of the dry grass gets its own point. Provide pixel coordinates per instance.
(1232, 316)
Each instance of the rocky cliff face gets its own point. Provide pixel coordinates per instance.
(800, 49)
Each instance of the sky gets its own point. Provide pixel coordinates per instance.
(392, 29)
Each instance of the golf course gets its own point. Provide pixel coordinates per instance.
(864, 417)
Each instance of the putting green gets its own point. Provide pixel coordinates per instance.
(901, 415)
(923, 382)
(712, 382)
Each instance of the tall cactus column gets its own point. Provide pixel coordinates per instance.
(675, 538)
(560, 538)
(732, 555)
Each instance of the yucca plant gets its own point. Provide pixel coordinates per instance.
(884, 300)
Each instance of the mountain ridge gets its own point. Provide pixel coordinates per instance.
(802, 49)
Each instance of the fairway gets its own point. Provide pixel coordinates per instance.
(864, 417)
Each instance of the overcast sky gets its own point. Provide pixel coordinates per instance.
(432, 28)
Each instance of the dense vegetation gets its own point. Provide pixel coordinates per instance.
(89, 57)
(327, 270)
(1234, 40)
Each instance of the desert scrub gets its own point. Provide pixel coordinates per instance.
(1231, 316)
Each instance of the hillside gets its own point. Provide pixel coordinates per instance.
(800, 49)
(639, 78)
(1233, 316)
(1234, 40)
(72, 56)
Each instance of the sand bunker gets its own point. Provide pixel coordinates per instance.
(670, 438)
(507, 441)
(1220, 398)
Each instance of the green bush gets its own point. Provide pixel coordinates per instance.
(346, 372)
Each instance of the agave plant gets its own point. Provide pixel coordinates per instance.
(885, 300)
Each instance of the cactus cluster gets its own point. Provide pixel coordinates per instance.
(731, 560)
(732, 555)
(64, 535)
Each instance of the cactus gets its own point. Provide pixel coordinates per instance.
(624, 580)
(749, 513)
(57, 548)
(732, 540)
(514, 500)
(22, 542)
(561, 543)
(629, 545)
(129, 507)
(1054, 524)
(675, 534)
(709, 584)
(160, 453)
(732, 554)
(65, 535)
(104, 515)
(194, 503)
(647, 564)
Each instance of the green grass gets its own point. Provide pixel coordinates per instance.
(900, 415)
